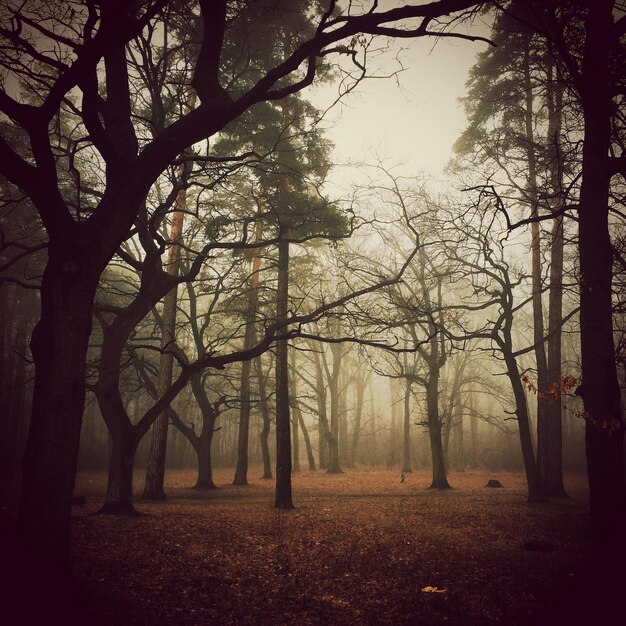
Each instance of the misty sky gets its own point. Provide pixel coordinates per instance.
(414, 123)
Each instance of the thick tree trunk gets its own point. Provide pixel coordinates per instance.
(119, 496)
(59, 347)
(440, 480)
(13, 392)
(155, 472)
(205, 468)
(604, 433)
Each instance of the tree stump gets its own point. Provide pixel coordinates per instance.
(494, 484)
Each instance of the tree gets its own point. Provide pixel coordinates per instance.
(82, 240)
(600, 389)
(586, 42)
(155, 472)
(419, 306)
(514, 97)
(481, 258)
(241, 470)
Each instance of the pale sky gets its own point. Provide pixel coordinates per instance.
(413, 124)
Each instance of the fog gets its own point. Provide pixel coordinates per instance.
(264, 265)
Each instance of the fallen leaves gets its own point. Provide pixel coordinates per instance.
(359, 548)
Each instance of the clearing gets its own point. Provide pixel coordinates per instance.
(360, 548)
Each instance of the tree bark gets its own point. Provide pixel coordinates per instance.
(554, 475)
(543, 431)
(342, 415)
(119, 496)
(155, 472)
(334, 466)
(203, 442)
(440, 480)
(296, 414)
(295, 438)
(604, 429)
(535, 486)
(323, 426)
(13, 386)
(406, 429)
(360, 382)
(307, 442)
(393, 431)
(250, 337)
(265, 415)
(59, 347)
(204, 481)
(283, 499)
(473, 433)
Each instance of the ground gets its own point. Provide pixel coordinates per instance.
(360, 548)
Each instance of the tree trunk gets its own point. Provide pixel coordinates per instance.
(59, 347)
(535, 486)
(473, 432)
(265, 415)
(241, 469)
(323, 426)
(202, 443)
(460, 437)
(543, 447)
(307, 442)
(393, 432)
(334, 466)
(119, 496)
(295, 438)
(360, 383)
(205, 468)
(250, 338)
(604, 429)
(440, 480)
(406, 430)
(296, 414)
(342, 415)
(283, 499)
(554, 476)
(155, 472)
(12, 383)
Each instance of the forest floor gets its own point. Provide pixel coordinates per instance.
(359, 548)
